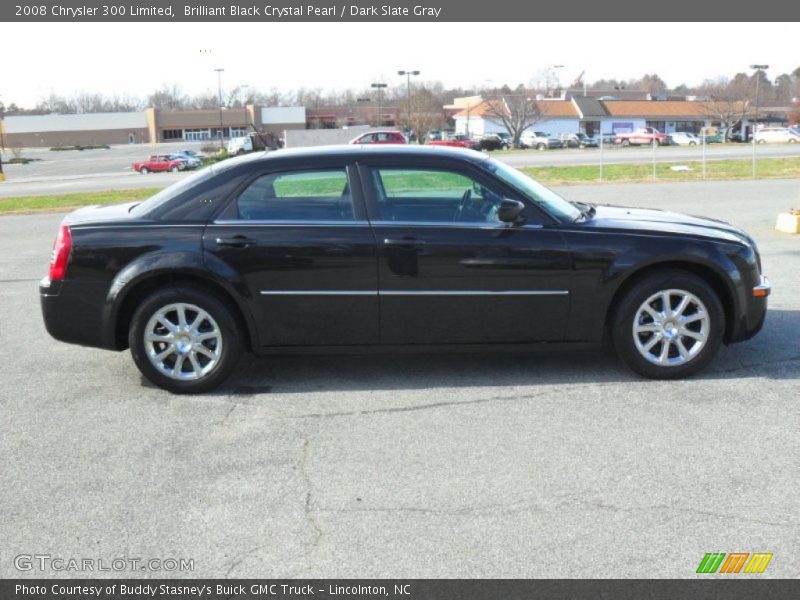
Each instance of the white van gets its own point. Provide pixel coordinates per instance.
(776, 134)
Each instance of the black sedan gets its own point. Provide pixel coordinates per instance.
(493, 141)
(357, 248)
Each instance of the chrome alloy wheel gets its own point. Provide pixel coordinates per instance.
(183, 341)
(671, 327)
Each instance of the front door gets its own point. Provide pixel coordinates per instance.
(451, 272)
(300, 241)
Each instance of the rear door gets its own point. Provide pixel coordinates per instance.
(299, 240)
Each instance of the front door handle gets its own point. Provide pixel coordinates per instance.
(407, 241)
(237, 241)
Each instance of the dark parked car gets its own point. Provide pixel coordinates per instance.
(492, 141)
(351, 248)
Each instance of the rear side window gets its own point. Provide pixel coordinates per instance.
(322, 195)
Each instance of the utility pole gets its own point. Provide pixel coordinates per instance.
(758, 69)
(2, 139)
(219, 92)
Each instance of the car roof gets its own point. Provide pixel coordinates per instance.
(355, 151)
(380, 131)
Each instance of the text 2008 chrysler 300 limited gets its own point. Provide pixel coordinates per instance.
(392, 247)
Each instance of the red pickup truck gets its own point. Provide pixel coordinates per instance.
(643, 135)
(458, 140)
(159, 162)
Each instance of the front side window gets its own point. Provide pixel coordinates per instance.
(433, 196)
(534, 191)
(322, 195)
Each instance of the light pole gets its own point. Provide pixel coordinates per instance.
(244, 105)
(379, 87)
(558, 76)
(408, 75)
(219, 93)
(2, 140)
(758, 69)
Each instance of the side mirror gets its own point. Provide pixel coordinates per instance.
(510, 211)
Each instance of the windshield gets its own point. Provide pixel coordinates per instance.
(544, 197)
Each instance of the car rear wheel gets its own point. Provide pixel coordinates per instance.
(185, 340)
(540, 146)
(144, 170)
(668, 325)
(626, 143)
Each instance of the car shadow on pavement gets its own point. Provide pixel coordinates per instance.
(773, 354)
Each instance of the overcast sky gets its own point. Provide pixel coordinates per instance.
(137, 58)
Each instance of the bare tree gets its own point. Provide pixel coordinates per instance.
(425, 112)
(516, 112)
(168, 98)
(726, 101)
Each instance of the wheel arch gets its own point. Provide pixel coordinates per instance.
(718, 282)
(128, 298)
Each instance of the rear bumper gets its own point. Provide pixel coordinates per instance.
(74, 313)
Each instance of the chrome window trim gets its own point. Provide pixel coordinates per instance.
(414, 293)
(363, 223)
(277, 223)
(454, 224)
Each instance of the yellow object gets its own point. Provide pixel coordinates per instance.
(788, 222)
(2, 176)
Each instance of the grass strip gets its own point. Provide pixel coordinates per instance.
(57, 202)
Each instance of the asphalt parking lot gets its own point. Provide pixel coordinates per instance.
(416, 466)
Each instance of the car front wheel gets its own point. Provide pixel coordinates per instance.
(668, 325)
(185, 340)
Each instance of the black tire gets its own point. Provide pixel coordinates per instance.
(626, 143)
(174, 169)
(227, 325)
(540, 146)
(622, 324)
(144, 170)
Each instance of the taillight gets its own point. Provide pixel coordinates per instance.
(60, 255)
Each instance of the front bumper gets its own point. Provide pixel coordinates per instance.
(752, 318)
(763, 289)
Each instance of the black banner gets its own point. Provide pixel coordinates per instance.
(396, 589)
(392, 10)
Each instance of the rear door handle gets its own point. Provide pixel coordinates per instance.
(408, 242)
(237, 241)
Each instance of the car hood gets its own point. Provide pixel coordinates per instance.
(664, 221)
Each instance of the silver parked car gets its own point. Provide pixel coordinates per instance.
(539, 140)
